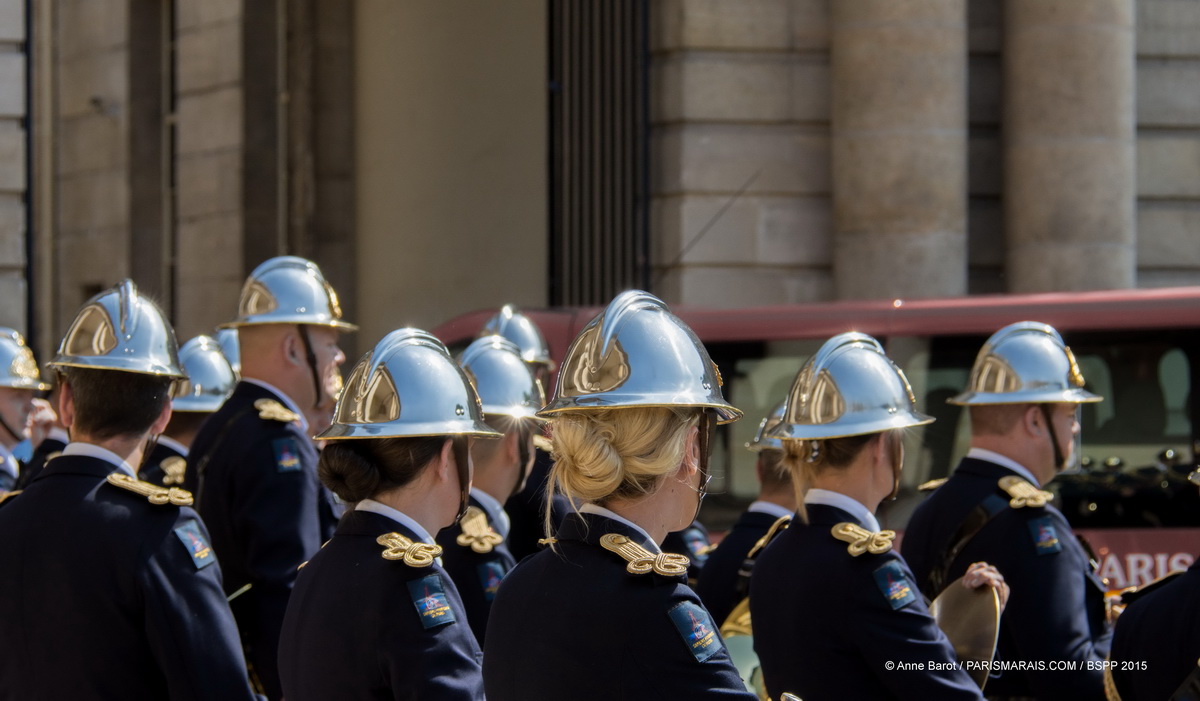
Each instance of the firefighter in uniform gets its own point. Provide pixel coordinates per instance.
(474, 550)
(210, 382)
(527, 508)
(603, 613)
(110, 589)
(1156, 643)
(253, 465)
(725, 580)
(374, 615)
(834, 606)
(19, 380)
(1023, 394)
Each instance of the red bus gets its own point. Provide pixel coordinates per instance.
(1136, 348)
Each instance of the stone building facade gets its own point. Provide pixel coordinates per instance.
(795, 150)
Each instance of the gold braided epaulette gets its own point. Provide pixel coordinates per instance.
(153, 493)
(1023, 493)
(173, 469)
(476, 533)
(642, 560)
(781, 524)
(863, 541)
(5, 496)
(413, 553)
(271, 410)
(931, 484)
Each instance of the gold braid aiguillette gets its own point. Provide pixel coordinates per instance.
(414, 554)
(153, 493)
(863, 541)
(1023, 493)
(476, 532)
(642, 560)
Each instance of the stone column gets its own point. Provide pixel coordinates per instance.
(1070, 174)
(899, 148)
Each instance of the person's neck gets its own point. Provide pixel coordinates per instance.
(1018, 450)
(299, 390)
(415, 502)
(780, 497)
(496, 479)
(658, 513)
(850, 483)
(128, 448)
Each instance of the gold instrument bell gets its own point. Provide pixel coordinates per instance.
(970, 618)
(739, 642)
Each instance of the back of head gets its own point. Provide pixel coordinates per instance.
(401, 402)
(848, 392)
(617, 453)
(121, 360)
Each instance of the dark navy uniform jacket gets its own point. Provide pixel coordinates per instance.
(152, 467)
(693, 542)
(527, 510)
(1056, 607)
(477, 575)
(104, 595)
(256, 486)
(37, 461)
(572, 623)
(827, 623)
(360, 626)
(718, 585)
(1162, 631)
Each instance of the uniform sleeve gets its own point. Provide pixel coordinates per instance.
(1046, 615)
(897, 628)
(681, 654)
(277, 508)
(439, 662)
(188, 622)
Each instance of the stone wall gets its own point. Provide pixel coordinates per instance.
(13, 175)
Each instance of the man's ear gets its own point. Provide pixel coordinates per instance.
(445, 462)
(1032, 419)
(691, 453)
(66, 404)
(164, 418)
(292, 350)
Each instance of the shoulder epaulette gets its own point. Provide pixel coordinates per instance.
(861, 540)
(476, 532)
(5, 496)
(153, 493)
(642, 560)
(1023, 493)
(931, 484)
(271, 410)
(413, 553)
(173, 469)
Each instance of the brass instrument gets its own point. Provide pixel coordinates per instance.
(970, 618)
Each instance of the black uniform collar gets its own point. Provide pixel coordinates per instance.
(824, 515)
(77, 465)
(589, 528)
(369, 523)
(984, 468)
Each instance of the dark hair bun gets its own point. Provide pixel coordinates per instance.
(350, 474)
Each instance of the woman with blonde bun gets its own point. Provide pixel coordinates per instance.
(374, 615)
(603, 613)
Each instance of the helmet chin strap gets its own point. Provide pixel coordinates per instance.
(462, 457)
(1060, 461)
(311, 357)
(897, 465)
(705, 430)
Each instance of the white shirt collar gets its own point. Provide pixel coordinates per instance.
(494, 509)
(94, 451)
(590, 508)
(58, 434)
(1004, 461)
(770, 508)
(848, 504)
(399, 517)
(173, 445)
(287, 401)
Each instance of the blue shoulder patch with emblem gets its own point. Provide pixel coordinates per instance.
(697, 545)
(491, 573)
(894, 584)
(287, 454)
(429, 596)
(192, 539)
(696, 628)
(1045, 535)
